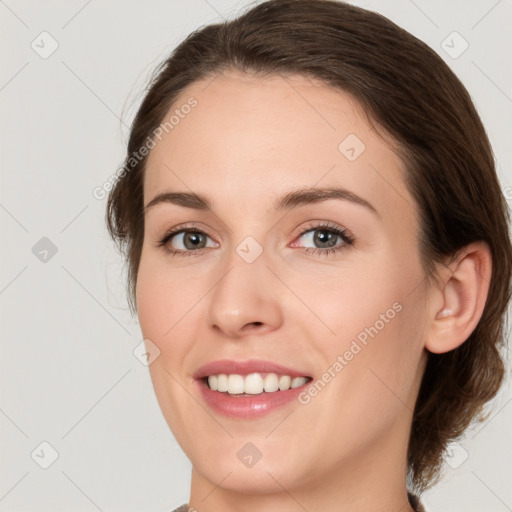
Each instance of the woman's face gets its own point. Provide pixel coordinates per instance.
(260, 277)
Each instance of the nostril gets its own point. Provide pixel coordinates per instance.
(259, 327)
(252, 325)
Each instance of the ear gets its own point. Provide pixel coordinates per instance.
(458, 300)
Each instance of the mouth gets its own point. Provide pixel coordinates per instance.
(248, 390)
(253, 384)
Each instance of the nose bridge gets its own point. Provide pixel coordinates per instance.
(247, 292)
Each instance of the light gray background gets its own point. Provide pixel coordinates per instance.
(68, 373)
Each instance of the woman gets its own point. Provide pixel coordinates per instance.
(318, 255)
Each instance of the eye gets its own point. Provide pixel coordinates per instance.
(185, 241)
(326, 236)
(191, 240)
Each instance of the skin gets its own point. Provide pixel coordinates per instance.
(346, 449)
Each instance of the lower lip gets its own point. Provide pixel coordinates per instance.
(248, 407)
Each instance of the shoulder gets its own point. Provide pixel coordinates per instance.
(183, 508)
(413, 500)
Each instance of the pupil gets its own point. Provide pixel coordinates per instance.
(324, 237)
(194, 238)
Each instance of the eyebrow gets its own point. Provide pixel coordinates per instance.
(293, 199)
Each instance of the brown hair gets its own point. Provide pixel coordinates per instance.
(408, 92)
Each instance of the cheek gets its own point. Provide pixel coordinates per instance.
(158, 288)
(157, 298)
(376, 318)
(162, 313)
(342, 303)
(168, 304)
(149, 296)
(371, 368)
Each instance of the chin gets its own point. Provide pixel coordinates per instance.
(260, 479)
(232, 468)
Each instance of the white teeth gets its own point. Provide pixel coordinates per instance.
(235, 384)
(254, 383)
(298, 381)
(271, 383)
(213, 382)
(222, 382)
(284, 382)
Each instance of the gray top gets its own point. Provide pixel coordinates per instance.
(183, 508)
(413, 500)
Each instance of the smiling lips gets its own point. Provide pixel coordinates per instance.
(247, 389)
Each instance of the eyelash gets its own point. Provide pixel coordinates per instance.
(331, 228)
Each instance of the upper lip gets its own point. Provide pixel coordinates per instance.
(245, 367)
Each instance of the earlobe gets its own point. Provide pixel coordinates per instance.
(462, 294)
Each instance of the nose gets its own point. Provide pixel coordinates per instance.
(246, 299)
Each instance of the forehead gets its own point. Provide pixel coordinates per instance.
(249, 138)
